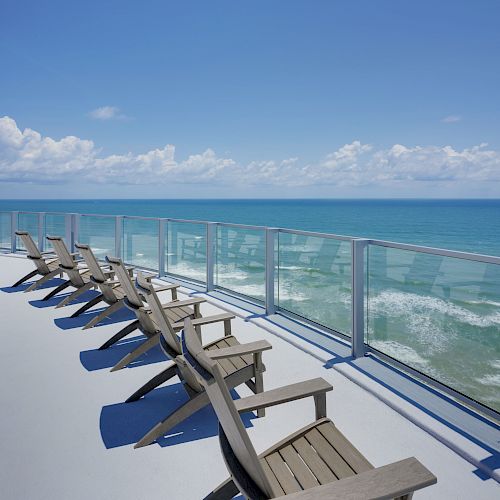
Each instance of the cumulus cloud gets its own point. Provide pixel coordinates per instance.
(107, 113)
(451, 119)
(25, 155)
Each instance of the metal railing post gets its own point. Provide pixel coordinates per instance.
(358, 297)
(210, 241)
(13, 229)
(75, 230)
(161, 246)
(41, 231)
(118, 235)
(270, 267)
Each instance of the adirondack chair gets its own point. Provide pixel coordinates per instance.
(241, 363)
(78, 274)
(316, 462)
(111, 290)
(46, 263)
(176, 310)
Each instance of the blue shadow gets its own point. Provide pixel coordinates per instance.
(53, 301)
(124, 424)
(80, 321)
(107, 358)
(490, 463)
(49, 284)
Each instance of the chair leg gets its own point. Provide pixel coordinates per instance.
(75, 294)
(185, 411)
(225, 491)
(87, 306)
(144, 347)
(157, 380)
(42, 280)
(24, 278)
(122, 333)
(107, 312)
(60, 288)
(259, 379)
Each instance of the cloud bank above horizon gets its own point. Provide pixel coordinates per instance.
(28, 157)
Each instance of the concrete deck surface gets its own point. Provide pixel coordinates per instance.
(66, 432)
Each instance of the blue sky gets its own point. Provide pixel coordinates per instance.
(249, 99)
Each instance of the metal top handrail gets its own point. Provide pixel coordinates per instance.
(319, 235)
(488, 259)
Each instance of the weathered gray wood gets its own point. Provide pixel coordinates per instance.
(73, 296)
(119, 335)
(389, 481)
(240, 349)
(87, 306)
(282, 473)
(216, 318)
(104, 314)
(163, 376)
(300, 470)
(56, 290)
(138, 351)
(283, 395)
(318, 467)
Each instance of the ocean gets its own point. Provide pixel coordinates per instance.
(439, 315)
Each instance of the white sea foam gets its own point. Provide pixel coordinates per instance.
(490, 379)
(495, 364)
(401, 352)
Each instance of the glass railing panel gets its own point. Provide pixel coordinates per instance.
(439, 315)
(240, 260)
(186, 250)
(99, 233)
(314, 279)
(5, 230)
(54, 225)
(140, 242)
(27, 222)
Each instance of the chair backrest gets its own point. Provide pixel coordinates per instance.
(28, 242)
(91, 261)
(125, 281)
(67, 263)
(168, 334)
(239, 453)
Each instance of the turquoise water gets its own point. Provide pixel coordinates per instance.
(439, 315)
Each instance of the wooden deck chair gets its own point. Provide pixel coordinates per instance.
(316, 462)
(111, 290)
(46, 263)
(78, 275)
(242, 364)
(176, 310)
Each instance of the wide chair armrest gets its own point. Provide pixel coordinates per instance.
(182, 303)
(166, 286)
(240, 350)
(316, 387)
(389, 481)
(216, 318)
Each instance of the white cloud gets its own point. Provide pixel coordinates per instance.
(451, 119)
(107, 113)
(27, 156)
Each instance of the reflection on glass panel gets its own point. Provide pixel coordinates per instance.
(5, 229)
(186, 250)
(55, 225)
(98, 233)
(27, 222)
(240, 262)
(140, 242)
(314, 279)
(439, 315)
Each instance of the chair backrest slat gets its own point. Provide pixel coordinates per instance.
(28, 242)
(91, 261)
(67, 262)
(125, 281)
(223, 404)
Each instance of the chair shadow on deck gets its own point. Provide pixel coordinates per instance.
(67, 323)
(107, 358)
(53, 301)
(49, 284)
(124, 424)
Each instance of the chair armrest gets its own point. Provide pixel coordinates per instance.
(285, 394)
(49, 252)
(240, 350)
(389, 481)
(167, 286)
(216, 318)
(181, 303)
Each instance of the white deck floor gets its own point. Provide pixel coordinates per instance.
(67, 434)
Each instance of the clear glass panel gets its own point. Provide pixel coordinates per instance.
(98, 233)
(439, 315)
(55, 225)
(186, 250)
(140, 242)
(27, 222)
(5, 229)
(240, 261)
(314, 279)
